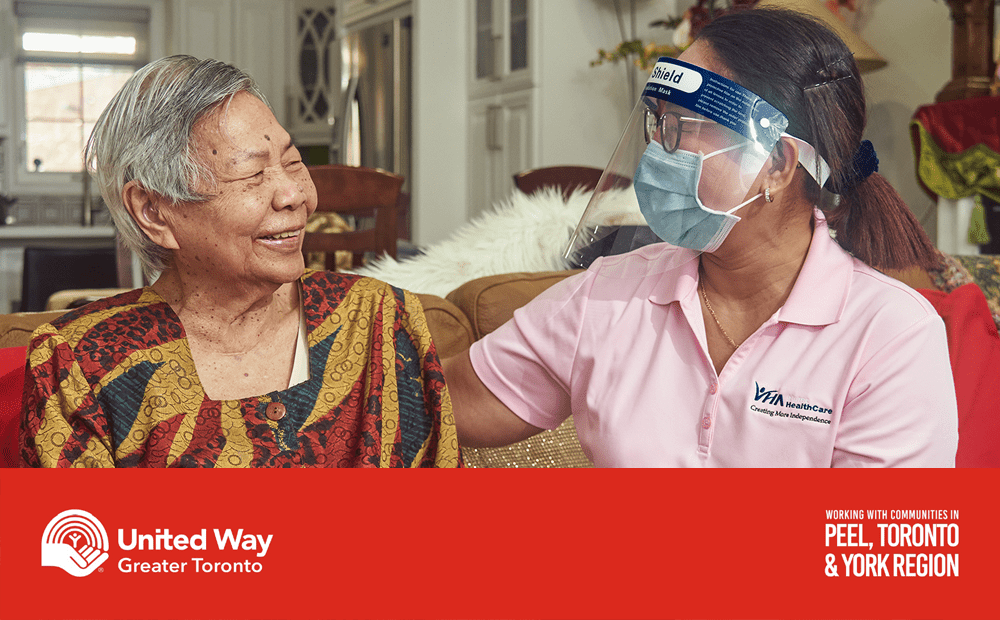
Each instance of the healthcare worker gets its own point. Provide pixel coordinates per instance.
(748, 337)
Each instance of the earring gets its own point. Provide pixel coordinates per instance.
(767, 195)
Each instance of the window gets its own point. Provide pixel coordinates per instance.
(73, 58)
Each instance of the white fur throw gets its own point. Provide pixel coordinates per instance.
(520, 233)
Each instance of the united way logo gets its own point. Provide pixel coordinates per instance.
(76, 542)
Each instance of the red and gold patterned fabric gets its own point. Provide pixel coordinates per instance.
(113, 384)
(957, 148)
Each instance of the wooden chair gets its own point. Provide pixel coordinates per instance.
(368, 193)
(566, 178)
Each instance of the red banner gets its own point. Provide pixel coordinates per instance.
(498, 544)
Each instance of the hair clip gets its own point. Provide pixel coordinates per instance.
(845, 77)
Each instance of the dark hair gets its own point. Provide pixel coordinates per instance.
(805, 70)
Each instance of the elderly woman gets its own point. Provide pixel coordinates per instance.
(234, 357)
(749, 337)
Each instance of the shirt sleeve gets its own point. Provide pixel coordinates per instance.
(528, 361)
(901, 409)
(62, 424)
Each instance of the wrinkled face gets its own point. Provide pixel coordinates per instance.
(250, 231)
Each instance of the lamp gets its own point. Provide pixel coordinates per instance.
(864, 54)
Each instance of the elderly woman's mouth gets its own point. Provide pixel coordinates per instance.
(288, 237)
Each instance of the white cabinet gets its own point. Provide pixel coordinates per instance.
(501, 51)
(314, 69)
(501, 131)
(8, 42)
(356, 12)
(250, 34)
(501, 115)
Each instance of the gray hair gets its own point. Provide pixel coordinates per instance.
(145, 135)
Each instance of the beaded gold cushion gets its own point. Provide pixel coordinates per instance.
(558, 447)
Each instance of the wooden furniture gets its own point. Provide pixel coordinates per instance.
(566, 178)
(365, 193)
(972, 66)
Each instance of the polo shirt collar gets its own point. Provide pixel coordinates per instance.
(680, 281)
(820, 291)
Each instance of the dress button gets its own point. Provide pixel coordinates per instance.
(714, 388)
(706, 422)
(275, 411)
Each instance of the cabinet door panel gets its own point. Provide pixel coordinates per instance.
(203, 28)
(501, 46)
(480, 155)
(517, 156)
(500, 146)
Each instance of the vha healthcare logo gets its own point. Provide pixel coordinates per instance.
(76, 542)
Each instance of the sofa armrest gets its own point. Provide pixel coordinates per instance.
(15, 329)
(490, 302)
(449, 327)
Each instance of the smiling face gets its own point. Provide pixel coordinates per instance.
(249, 232)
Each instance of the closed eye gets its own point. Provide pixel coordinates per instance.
(255, 177)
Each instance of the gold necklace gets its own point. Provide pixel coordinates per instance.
(704, 295)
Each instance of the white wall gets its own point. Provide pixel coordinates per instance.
(440, 54)
(914, 36)
(583, 109)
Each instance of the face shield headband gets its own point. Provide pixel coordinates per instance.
(729, 104)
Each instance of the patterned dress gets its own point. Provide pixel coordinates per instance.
(113, 384)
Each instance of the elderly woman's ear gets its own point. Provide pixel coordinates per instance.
(145, 208)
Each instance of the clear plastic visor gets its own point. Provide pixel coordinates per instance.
(679, 150)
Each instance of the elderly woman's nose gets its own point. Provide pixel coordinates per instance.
(290, 192)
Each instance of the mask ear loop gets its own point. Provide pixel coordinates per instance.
(744, 203)
(725, 150)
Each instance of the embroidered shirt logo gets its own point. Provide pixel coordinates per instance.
(76, 542)
(768, 397)
(779, 406)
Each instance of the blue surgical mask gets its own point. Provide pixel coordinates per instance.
(666, 186)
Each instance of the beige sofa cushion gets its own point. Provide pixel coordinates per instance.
(490, 302)
(448, 325)
(15, 329)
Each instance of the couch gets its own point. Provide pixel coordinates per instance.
(455, 322)
(478, 307)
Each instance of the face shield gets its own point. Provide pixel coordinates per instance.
(692, 150)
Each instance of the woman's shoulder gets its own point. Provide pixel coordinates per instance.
(135, 318)
(336, 284)
(332, 289)
(875, 292)
(651, 260)
(124, 306)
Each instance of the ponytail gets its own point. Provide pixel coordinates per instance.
(875, 225)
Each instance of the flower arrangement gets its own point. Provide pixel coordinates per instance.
(685, 31)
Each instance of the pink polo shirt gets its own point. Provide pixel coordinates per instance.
(852, 371)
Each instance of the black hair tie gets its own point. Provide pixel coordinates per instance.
(865, 161)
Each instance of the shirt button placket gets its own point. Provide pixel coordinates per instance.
(711, 404)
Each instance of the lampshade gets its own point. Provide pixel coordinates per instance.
(865, 55)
